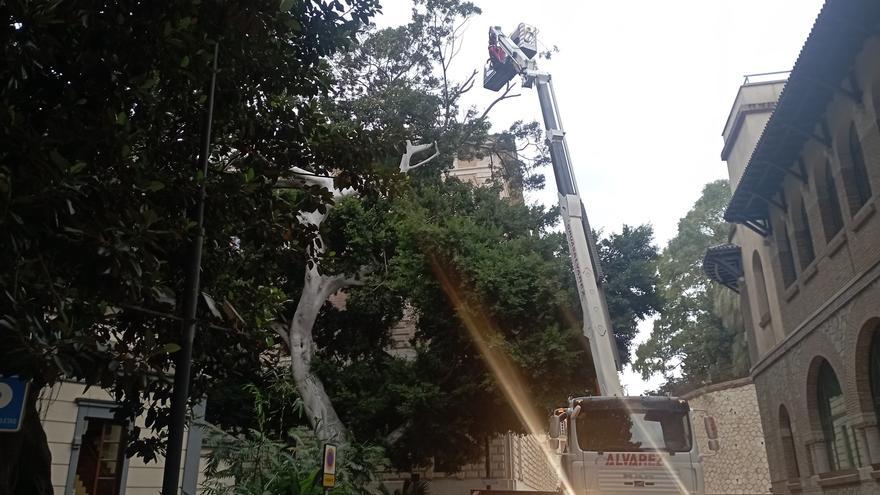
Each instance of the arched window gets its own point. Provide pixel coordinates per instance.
(760, 289)
(874, 364)
(786, 260)
(858, 185)
(803, 235)
(838, 434)
(789, 452)
(829, 202)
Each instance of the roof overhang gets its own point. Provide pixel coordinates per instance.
(821, 71)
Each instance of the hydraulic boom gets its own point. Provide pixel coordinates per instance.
(512, 56)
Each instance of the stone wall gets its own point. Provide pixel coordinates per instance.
(740, 465)
(515, 462)
(530, 466)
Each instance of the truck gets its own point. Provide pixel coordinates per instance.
(608, 443)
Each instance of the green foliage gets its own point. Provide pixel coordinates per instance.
(101, 117)
(256, 462)
(630, 280)
(698, 337)
(397, 82)
(513, 268)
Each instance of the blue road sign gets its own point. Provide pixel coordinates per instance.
(13, 392)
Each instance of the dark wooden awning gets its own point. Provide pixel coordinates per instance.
(723, 264)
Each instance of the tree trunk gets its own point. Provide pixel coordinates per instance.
(316, 289)
(321, 414)
(25, 460)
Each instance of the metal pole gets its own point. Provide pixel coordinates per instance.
(183, 363)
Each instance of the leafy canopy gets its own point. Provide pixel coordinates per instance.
(101, 116)
(698, 337)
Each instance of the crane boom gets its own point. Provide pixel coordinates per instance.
(512, 56)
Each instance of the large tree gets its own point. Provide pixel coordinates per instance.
(101, 114)
(394, 83)
(698, 337)
(456, 253)
(375, 251)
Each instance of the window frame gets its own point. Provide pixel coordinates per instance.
(826, 421)
(803, 233)
(97, 409)
(874, 370)
(859, 192)
(785, 255)
(830, 209)
(789, 448)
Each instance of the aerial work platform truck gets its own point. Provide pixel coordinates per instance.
(609, 443)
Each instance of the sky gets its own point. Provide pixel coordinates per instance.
(644, 88)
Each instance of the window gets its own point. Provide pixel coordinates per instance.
(874, 364)
(786, 261)
(98, 465)
(760, 289)
(858, 185)
(101, 458)
(838, 434)
(829, 202)
(789, 452)
(803, 236)
(615, 426)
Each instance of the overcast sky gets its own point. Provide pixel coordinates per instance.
(644, 88)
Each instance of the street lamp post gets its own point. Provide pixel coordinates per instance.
(183, 363)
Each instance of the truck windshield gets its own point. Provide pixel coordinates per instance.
(622, 429)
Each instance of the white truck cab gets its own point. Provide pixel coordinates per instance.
(627, 445)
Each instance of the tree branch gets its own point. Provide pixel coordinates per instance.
(411, 150)
(505, 95)
(280, 328)
(396, 434)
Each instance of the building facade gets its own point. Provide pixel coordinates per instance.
(804, 162)
(88, 447)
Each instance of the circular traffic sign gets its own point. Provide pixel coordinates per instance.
(5, 395)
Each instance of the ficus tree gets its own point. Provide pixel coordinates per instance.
(439, 398)
(395, 84)
(366, 255)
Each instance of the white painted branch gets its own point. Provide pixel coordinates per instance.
(318, 407)
(317, 288)
(411, 150)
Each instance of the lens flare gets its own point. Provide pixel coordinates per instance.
(483, 331)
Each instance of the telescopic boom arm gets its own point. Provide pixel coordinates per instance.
(512, 56)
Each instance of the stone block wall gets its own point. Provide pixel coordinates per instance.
(530, 465)
(740, 465)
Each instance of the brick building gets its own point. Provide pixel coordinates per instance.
(803, 156)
